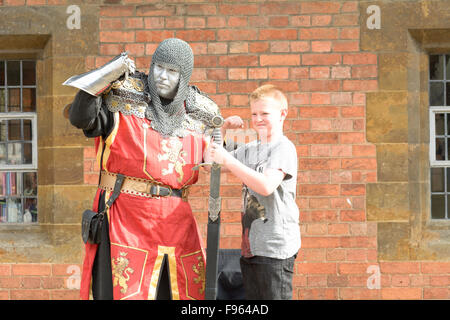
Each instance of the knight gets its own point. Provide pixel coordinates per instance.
(153, 129)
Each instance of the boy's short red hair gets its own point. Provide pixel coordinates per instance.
(270, 91)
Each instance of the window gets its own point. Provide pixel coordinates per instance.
(18, 142)
(439, 101)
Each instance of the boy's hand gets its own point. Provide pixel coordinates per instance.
(232, 122)
(217, 154)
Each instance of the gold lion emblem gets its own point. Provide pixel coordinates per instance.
(121, 271)
(172, 151)
(199, 270)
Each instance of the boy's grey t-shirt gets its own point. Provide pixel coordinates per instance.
(270, 224)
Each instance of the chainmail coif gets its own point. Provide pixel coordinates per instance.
(167, 118)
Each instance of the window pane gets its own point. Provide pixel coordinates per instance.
(29, 73)
(436, 93)
(437, 206)
(447, 93)
(14, 100)
(27, 153)
(2, 73)
(13, 76)
(14, 130)
(3, 131)
(440, 149)
(29, 184)
(14, 153)
(14, 210)
(436, 67)
(447, 62)
(30, 212)
(437, 180)
(2, 100)
(2, 153)
(27, 130)
(440, 124)
(29, 99)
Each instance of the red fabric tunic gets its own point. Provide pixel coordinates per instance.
(142, 230)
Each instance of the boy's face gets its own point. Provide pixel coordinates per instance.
(267, 117)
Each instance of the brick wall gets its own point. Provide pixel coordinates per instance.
(312, 51)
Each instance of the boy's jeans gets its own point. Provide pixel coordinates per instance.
(267, 278)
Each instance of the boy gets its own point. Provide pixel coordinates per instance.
(270, 221)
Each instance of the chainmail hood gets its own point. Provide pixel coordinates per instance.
(166, 118)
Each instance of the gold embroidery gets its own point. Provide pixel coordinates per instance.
(173, 152)
(200, 272)
(120, 271)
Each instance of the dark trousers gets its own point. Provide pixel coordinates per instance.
(267, 278)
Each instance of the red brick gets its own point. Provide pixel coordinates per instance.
(435, 267)
(352, 137)
(316, 268)
(31, 269)
(5, 269)
(301, 21)
(318, 138)
(401, 293)
(318, 33)
(238, 61)
(280, 8)
(237, 22)
(278, 34)
(201, 9)
(236, 9)
(281, 21)
(359, 294)
(436, 293)
(317, 294)
(31, 294)
(112, 11)
(65, 294)
(319, 190)
(237, 87)
(345, 46)
(353, 111)
(118, 36)
(359, 164)
(321, 59)
(320, 85)
(10, 282)
(320, 46)
(205, 61)
(349, 33)
(353, 215)
(258, 47)
(353, 268)
(155, 10)
(345, 20)
(196, 35)
(280, 60)
(363, 150)
(319, 72)
(111, 24)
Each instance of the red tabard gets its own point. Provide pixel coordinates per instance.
(143, 230)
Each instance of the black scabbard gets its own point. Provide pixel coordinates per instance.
(212, 249)
(213, 235)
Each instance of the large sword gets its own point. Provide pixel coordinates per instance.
(213, 233)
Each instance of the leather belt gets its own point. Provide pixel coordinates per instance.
(141, 187)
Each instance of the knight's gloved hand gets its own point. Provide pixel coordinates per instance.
(131, 65)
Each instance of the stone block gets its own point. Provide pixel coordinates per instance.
(392, 162)
(393, 240)
(387, 117)
(387, 201)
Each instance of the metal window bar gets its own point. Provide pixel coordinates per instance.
(445, 136)
(20, 174)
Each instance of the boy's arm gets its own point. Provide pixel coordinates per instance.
(263, 183)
